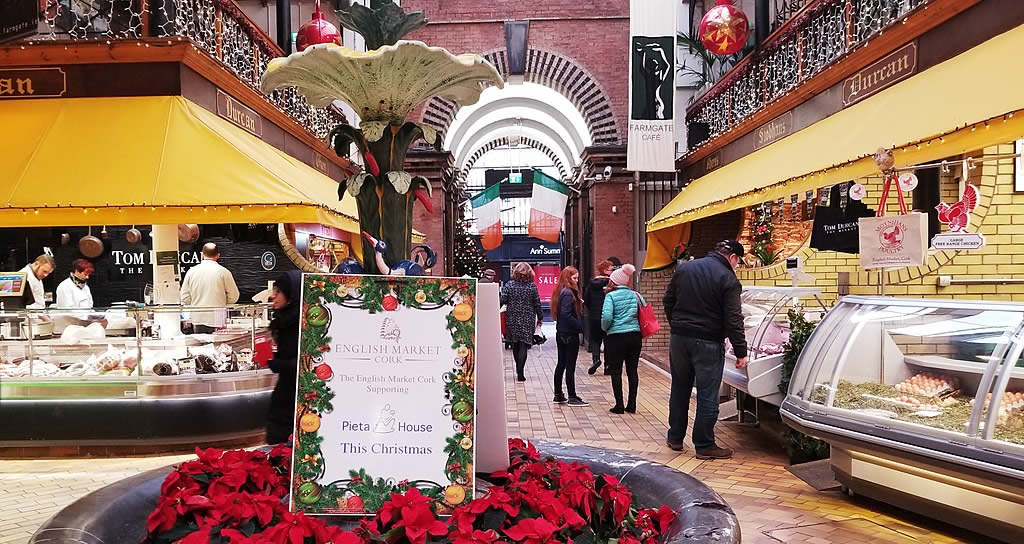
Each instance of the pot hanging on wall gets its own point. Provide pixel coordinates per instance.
(188, 232)
(133, 235)
(90, 246)
(65, 239)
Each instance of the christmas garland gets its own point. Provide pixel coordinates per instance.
(361, 492)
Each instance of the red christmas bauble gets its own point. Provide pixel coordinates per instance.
(724, 29)
(323, 371)
(355, 503)
(317, 31)
(390, 303)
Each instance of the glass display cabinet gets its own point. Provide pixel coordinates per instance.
(765, 318)
(922, 402)
(133, 373)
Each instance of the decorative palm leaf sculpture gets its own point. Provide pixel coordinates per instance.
(383, 85)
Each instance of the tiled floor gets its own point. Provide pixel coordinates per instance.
(773, 506)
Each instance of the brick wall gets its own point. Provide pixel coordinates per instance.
(613, 232)
(652, 286)
(595, 43)
(999, 216)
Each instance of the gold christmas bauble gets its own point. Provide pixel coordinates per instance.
(341, 291)
(462, 351)
(421, 297)
(463, 312)
(454, 494)
(309, 422)
(466, 443)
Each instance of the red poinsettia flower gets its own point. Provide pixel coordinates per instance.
(474, 537)
(531, 531)
(663, 516)
(420, 521)
(393, 507)
(497, 499)
(616, 497)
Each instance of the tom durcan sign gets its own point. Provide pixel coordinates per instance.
(889, 70)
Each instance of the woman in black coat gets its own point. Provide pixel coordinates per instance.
(523, 313)
(285, 299)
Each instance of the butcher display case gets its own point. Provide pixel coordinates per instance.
(766, 324)
(922, 403)
(133, 375)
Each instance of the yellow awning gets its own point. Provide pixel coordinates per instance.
(150, 160)
(952, 100)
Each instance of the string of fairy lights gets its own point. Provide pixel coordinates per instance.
(228, 208)
(725, 204)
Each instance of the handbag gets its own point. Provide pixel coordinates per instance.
(835, 226)
(893, 241)
(649, 325)
(538, 336)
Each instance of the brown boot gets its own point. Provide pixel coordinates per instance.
(714, 452)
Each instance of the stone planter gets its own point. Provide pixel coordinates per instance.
(116, 514)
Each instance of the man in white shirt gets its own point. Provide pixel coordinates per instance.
(74, 292)
(37, 271)
(208, 284)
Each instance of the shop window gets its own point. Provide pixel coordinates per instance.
(927, 196)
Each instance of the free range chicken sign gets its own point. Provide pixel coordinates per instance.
(957, 216)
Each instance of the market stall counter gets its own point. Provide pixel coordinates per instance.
(111, 380)
(922, 402)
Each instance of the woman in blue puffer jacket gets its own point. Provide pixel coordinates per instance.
(623, 341)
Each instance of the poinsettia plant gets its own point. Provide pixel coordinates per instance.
(236, 497)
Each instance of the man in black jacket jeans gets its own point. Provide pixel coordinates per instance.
(702, 304)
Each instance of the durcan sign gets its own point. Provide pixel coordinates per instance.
(891, 69)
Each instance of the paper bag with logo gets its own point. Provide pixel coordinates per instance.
(893, 241)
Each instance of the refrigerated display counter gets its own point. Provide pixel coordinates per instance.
(922, 403)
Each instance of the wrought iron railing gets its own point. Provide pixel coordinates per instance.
(823, 33)
(217, 27)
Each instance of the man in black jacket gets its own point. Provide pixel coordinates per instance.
(702, 304)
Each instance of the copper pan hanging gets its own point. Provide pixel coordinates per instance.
(90, 246)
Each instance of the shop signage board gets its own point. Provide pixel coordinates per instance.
(652, 82)
(33, 83)
(712, 161)
(239, 114)
(891, 69)
(958, 240)
(386, 392)
(546, 279)
(773, 130)
(18, 18)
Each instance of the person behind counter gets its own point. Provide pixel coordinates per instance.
(74, 291)
(284, 328)
(208, 284)
(37, 271)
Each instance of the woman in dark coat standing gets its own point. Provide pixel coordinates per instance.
(593, 299)
(285, 299)
(567, 307)
(522, 314)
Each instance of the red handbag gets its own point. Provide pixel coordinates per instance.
(649, 325)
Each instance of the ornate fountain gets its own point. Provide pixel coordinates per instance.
(383, 85)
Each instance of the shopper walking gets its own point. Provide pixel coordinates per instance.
(567, 307)
(523, 314)
(623, 341)
(703, 307)
(285, 330)
(593, 298)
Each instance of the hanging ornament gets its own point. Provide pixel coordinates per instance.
(308, 493)
(355, 503)
(318, 316)
(454, 494)
(341, 291)
(462, 411)
(724, 29)
(389, 303)
(466, 443)
(907, 181)
(317, 31)
(421, 297)
(309, 422)
(324, 372)
(463, 312)
(858, 192)
(462, 351)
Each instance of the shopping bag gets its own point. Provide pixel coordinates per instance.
(895, 240)
(538, 335)
(649, 325)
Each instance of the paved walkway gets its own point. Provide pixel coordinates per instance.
(773, 506)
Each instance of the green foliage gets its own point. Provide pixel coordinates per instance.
(766, 253)
(709, 67)
(800, 447)
(469, 257)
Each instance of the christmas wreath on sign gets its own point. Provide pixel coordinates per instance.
(361, 492)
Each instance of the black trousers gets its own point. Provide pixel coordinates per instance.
(568, 352)
(623, 349)
(595, 337)
(519, 352)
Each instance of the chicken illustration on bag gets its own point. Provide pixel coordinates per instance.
(892, 237)
(957, 215)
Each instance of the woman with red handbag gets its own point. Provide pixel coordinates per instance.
(620, 321)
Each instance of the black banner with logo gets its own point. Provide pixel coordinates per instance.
(835, 226)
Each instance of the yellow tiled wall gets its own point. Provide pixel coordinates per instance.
(999, 216)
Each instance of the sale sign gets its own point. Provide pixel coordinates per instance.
(385, 398)
(546, 277)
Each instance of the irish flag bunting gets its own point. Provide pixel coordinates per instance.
(487, 209)
(548, 207)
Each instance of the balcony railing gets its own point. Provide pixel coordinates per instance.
(822, 33)
(217, 27)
